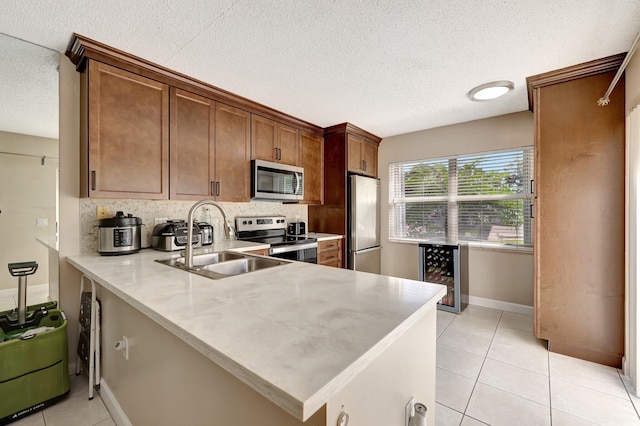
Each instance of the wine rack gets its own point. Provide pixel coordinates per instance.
(446, 264)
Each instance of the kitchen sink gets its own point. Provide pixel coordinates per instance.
(242, 266)
(212, 258)
(223, 264)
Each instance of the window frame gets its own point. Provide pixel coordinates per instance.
(452, 199)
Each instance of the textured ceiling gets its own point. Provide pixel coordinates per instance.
(28, 88)
(390, 67)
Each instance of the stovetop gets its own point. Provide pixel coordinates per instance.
(268, 230)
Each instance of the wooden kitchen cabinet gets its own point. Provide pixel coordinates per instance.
(312, 161)
(233, 154)
(339, 141)
(210, 148)
(191, 145)
(273, 141)
(362, 156)
(259, 252)
(330, 253)
(129, 107)
(125, 131)
(579, 246)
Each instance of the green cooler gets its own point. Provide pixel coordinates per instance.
(34, 372)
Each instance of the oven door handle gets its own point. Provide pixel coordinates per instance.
(293, 247)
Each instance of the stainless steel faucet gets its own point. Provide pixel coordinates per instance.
(228, 229)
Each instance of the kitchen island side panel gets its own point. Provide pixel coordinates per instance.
(407, 369)
(167, 382)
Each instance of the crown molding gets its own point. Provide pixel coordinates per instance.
(586, 69)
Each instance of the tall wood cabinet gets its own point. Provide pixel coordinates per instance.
(339, 151)
(579, 211)
(126, 123)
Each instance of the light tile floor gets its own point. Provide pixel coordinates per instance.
(491, 370)
(74, 410)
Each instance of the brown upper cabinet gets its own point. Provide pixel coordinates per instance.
(191, 145)
(312, 161)
(210, 144)
(125, 152)
(273, 141)
(127, 135)
(233, 154)
(135, 114)
(362, 156)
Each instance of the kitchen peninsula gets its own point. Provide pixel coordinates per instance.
(289, 345)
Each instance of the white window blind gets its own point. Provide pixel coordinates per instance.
(482, 197)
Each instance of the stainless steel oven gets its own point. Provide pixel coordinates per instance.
(272, 230)
(307, 252)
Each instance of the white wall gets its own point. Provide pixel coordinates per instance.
(502, 275)
(28, 194)
(69, 207)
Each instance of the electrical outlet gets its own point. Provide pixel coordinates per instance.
(123, 346)
(42, 221)
(102, 212)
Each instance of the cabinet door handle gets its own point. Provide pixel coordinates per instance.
(531, 186)
(279, 153)
(276, 153)
(531, 211)
(213, 191)
(364, 165)
(93, 180)
(217, 189)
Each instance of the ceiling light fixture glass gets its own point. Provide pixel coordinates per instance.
(489, 91)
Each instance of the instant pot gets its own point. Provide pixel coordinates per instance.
(119, 234)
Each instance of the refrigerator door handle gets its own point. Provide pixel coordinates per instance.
(365, 251)
(362, 260)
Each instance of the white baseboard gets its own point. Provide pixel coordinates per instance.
(498, 304)
(8, 292)
(117, 413)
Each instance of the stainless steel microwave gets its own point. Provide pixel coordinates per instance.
(275, 181)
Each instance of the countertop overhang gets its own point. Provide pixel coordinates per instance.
(296, 333)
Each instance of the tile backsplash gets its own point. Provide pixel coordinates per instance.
(148, 211)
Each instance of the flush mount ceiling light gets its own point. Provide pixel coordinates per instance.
(489, 91)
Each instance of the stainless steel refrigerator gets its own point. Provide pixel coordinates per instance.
(363, 224)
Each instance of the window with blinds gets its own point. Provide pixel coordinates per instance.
(484, 197)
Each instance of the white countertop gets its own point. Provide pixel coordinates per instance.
(50, 243)
(295, 333)
(323, 237)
